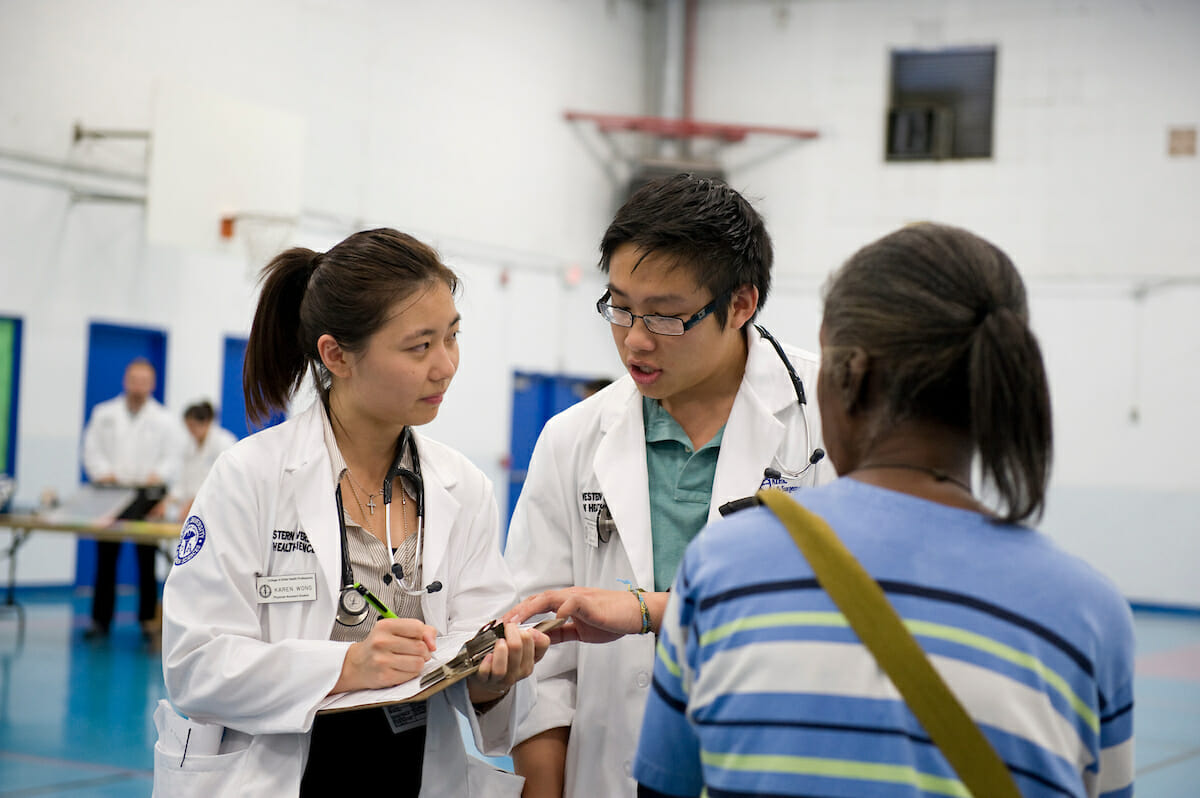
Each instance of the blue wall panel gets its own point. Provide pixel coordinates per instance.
(536, 397)
(233, 398)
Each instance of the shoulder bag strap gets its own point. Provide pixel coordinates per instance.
(881, 630)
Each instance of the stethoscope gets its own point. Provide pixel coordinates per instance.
(353, 603)
(605, 525)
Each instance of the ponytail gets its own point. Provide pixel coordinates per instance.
(276, 355)
(942, 313)
(1010, 412)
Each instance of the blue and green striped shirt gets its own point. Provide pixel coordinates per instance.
(761, 687)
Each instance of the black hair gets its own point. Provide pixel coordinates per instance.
(707, 226)
(346, 292)
(200, 411)
(942, 315)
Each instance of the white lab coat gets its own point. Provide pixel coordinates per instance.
(597, 448)
(132, 447)
(261, 669)
(198, 460)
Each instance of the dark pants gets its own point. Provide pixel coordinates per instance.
(104, 597)
(104, 594)
(356, 753)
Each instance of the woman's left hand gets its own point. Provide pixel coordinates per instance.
(511, 660)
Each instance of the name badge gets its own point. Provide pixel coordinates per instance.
(784, 484)
(402, 717)
(589, 505)
(589, 531)
(289, 587)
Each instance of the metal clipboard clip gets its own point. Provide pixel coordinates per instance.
(470, 656)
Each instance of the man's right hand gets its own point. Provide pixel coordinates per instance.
(595, 616)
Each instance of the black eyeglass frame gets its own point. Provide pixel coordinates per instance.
(607, 312)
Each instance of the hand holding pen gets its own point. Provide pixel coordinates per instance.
(396, 649)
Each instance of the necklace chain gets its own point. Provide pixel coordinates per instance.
(362, 513)
(371, 505)
(404, 509)
(937, 473)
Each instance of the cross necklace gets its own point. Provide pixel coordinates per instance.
(370, 496)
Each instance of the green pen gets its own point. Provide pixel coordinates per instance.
(375, 603)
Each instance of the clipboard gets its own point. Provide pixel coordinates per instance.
(436, 676)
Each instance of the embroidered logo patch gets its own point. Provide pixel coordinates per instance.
(191, 540)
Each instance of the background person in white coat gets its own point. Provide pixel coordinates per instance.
(133, 441)
(620, 483)
(375, 320)
(206, 441)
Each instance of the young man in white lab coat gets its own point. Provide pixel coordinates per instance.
(709, 410)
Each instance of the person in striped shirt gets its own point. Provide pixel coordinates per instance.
(761, 688)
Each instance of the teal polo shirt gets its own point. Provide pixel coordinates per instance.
(680, 482)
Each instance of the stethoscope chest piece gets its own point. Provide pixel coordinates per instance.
(352, 607)
(605, 525)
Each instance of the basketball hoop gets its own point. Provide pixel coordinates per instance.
(262, 235)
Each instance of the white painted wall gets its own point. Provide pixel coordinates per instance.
(444, 119)
(441, 119)
(1080, 192)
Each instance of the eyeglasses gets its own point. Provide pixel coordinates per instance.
(659, 325)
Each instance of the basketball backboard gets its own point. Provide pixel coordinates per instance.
(213, 156)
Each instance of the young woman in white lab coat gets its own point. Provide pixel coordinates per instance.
(374, 318)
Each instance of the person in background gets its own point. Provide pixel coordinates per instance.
(928, 364)
(133, 441)
(595, 386)
(621, 481)
(345, 493)
(206, 441)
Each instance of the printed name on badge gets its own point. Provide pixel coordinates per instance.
(781, 483)
(288, 587)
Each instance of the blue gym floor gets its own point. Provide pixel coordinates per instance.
(75, 716)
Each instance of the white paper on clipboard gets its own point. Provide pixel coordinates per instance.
(448, 646)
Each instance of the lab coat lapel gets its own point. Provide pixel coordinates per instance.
(620, 466)
(753, 432)
(441, 508)
(308, 483)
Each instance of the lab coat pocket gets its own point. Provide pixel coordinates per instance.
(487, 781)
(201, 776)
(187, 758)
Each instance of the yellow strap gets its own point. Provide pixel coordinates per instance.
(881, 630)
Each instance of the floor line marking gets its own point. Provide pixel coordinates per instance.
(75, 763)
(1182, 756)
(50, 789)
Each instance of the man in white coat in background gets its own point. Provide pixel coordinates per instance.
(710, 409)
(133, 441)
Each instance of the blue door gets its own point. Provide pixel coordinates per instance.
(110, 349)
(536, 397)
(233, 399)
(10, 385)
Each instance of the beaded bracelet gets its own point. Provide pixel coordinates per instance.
(637, 591)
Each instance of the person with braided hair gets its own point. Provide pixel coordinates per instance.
(928, 367)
